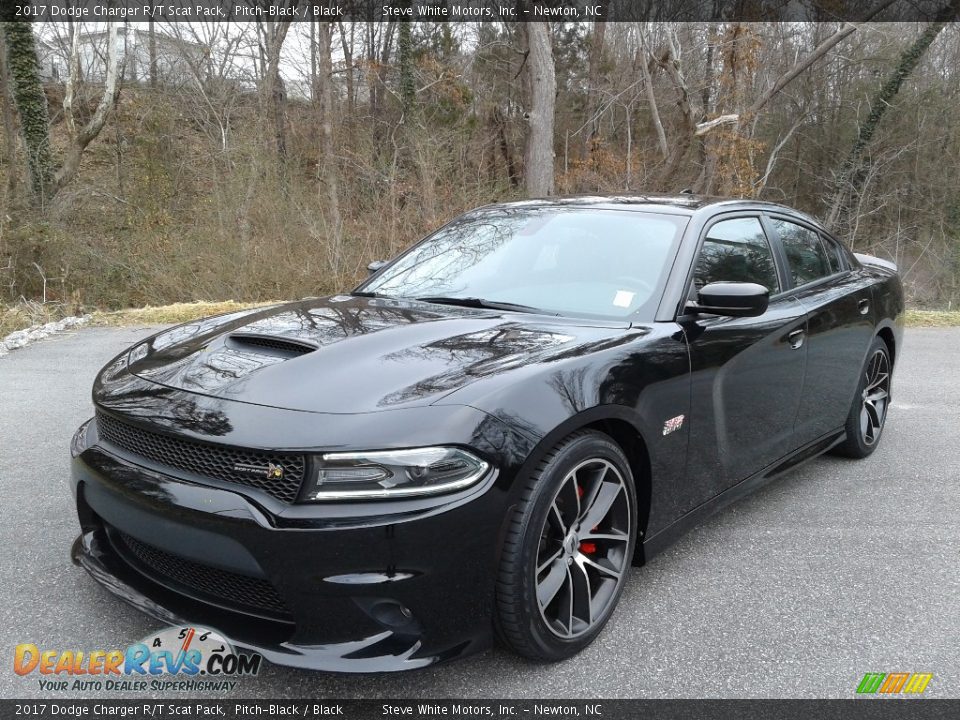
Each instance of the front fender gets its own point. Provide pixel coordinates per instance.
(641, 381)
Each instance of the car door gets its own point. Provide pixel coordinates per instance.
(840, 319)
(747, 373)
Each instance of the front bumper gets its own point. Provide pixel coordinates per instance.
(369, 588)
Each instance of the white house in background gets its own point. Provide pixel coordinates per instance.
(173, 56)
(53, 64)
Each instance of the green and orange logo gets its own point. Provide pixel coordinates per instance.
(894, 683)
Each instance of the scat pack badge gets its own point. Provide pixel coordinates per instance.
(173, 659)
(673, 424)
(271, 471)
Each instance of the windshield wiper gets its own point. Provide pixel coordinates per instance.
(476, 302)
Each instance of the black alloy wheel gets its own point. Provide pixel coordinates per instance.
(869, 411)
(876, 397)
(568, 549)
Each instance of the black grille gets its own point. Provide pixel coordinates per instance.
(287, 345)
(221, 586)
(209, 460)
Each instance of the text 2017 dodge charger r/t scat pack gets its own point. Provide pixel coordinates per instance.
(484, 436)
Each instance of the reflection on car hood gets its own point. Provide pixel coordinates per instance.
(347, 354)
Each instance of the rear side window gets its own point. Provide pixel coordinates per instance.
(834, 254)
(736, 251)
(806, 255)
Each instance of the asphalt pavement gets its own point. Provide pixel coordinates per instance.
(840, 568)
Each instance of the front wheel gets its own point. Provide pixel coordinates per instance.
(869, 411)
(568, 549)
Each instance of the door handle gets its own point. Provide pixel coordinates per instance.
(796, 338)
(864, 306)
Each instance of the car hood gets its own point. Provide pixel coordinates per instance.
(348, 354)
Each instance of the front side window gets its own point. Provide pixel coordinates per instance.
(736, 251)
(609, 263)
(806, 256)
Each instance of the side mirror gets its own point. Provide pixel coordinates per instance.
(734, 299)
(375, 265)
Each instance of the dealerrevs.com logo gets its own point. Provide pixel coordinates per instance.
(178, 658)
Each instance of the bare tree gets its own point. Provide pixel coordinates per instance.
(852, 174)
(643, 60)
(327, 167)
(152, 52)
(31, 105)
(541, 91)
(408, 88)
(209, 53)
(80, 138)
(594, 61)
(671, 63)
(273, 94)
(9, 119)
(740, 112)
(765, 109)
(346, 45)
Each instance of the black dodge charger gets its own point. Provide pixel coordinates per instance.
(483, 437)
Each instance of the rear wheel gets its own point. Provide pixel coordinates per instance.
(869, 411)
(568, 549)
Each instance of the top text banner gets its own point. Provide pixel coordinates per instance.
(475, 10)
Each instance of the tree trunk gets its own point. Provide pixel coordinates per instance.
(152, 49)
(853, 172)
(348, 65)
(386, 48)
(373, 87)
(73, 78)
(678, 150)
(32, 107)
(328, 160)
(728, 168)
(542, 93)
(274, 95)
(408, 90)
(500, 124)
(379, 47)
(710, 145)
(314, 96)
(31, 104)
(9, 121)
(706, 91)
(593, 82)
(81, 138)
(652, 100)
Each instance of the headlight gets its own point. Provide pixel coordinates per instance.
(394, 473)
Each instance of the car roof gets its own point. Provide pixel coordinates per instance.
(683, 203)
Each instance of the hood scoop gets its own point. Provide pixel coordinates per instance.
(271, 344)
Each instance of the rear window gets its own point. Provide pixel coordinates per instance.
(807, 257)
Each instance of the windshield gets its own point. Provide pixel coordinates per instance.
(609, 263)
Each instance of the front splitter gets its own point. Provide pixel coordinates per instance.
(91, 552)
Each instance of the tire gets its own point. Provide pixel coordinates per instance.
(868, 413)
(551, 557)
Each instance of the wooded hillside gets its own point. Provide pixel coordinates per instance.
(274, 160)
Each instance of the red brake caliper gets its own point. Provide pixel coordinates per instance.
(587, 548)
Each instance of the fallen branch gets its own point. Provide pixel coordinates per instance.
(705, 127)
